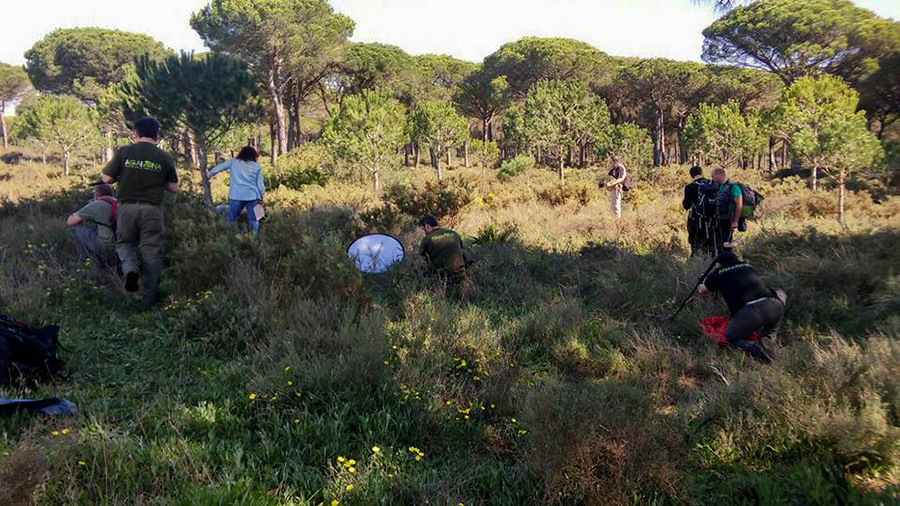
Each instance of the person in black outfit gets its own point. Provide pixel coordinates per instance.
(753, 306)
(699, 201)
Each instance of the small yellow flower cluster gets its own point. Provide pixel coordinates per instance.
(376, 449)
(63, 432)
(348, 464)
(417, 453)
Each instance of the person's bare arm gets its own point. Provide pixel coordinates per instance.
(107, 179)
(74, 219)
(702, 290)
(738, 209)
(173, 187)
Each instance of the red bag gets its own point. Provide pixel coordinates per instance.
(714, 327)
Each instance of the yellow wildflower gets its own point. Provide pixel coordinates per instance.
(341, 459)
(55, 433)
(375, 449)
(81, 463)
(349, 487)
(65, 431)
(351, 469)
(252, 396)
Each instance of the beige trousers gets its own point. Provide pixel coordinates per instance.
(615, 201)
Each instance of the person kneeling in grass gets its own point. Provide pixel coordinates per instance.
(754, 307)
(92, 229)
(246, 187)
(443, 249)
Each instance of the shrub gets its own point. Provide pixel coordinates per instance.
(562, 194)
(514, 167)
(310, 164)
(441, 199)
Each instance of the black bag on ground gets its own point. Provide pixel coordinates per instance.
(27, 353)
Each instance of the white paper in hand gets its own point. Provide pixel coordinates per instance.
(375, 253)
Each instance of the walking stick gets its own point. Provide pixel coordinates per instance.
(690, 296)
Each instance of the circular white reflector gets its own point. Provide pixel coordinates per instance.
(375, 253)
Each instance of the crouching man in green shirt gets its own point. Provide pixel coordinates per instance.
(144, 173)
(92, 229)
(443, 250)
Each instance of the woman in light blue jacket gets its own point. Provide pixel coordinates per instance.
(246, 188)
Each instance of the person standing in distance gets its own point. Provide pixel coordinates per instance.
(144, 173)
(615, 183)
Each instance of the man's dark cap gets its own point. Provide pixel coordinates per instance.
(428, 220)
(727, 258)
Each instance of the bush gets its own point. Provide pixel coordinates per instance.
(514, 167)
(307, 165)
(562, 194)
(441, 199)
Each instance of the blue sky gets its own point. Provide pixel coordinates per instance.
(469, 29)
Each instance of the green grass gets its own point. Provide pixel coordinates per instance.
(559, 380)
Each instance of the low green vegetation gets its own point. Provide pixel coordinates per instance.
(276, 373)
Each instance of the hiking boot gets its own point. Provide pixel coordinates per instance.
(756, 351)
(131, 281)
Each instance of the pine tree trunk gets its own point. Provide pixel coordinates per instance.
(417, 154)
(276, 95)
(274, 149)
(659, 138)
(581, 156)
(65, 161)
(3, 129)
(436, 161)
(449, 160)
(466, 149)
(109, 152)
(406, 155)
(841, 196)
(204, 174)
(814, 179)
(490, 136)
(562, 176)
(376, 184)
(772, 165)
(784, 145)
(484, 129)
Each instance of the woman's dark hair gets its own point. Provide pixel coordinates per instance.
(696, 170)
(248, 154)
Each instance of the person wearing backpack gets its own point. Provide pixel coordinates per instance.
(700, 202)
(93, 228)
(618, 182)
(730, 208)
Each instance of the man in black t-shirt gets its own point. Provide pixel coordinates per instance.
(144, 173)
(754, 307)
